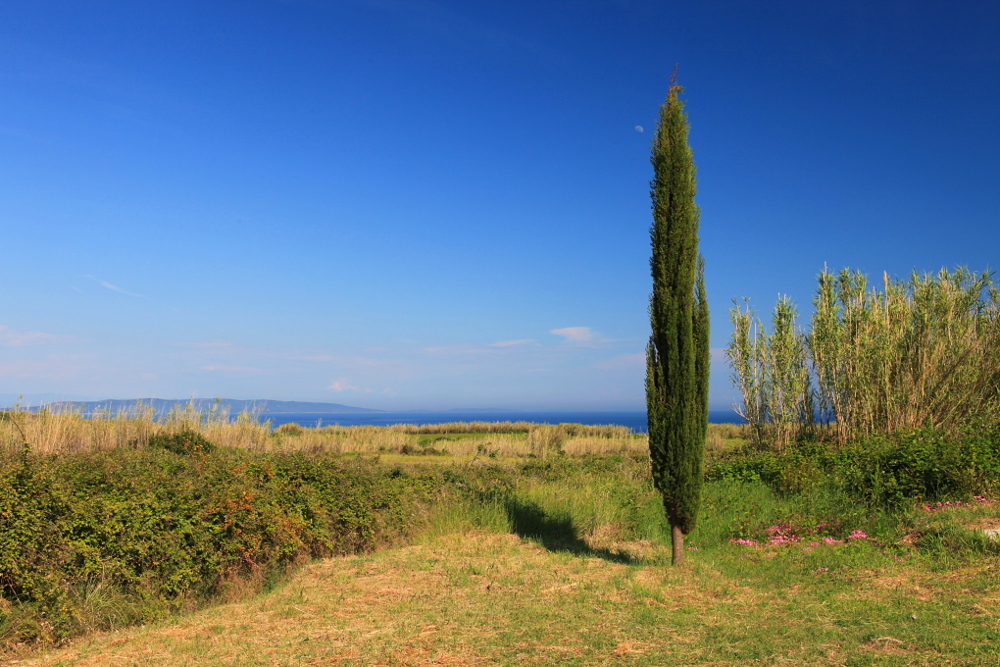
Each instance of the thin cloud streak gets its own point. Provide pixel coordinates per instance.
(344, 384)
(105, 284)
(623, 362)
(235, 369)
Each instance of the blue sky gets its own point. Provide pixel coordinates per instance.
(432, 204)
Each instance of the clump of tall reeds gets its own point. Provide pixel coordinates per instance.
(920, 352)
(68, 430)
(772, 372)
(546, 440)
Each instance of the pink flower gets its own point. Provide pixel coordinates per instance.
(830, 540)
(745, 543)
(858, 535)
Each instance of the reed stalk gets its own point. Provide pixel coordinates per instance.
(919, 352)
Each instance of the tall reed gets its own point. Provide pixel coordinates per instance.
(772, 372)
(919, 352)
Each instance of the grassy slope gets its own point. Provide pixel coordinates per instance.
(479, 598)
(594, 588)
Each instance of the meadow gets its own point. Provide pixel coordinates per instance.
(198, 540)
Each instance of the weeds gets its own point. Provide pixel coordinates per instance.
(71, 432)
(106, 538)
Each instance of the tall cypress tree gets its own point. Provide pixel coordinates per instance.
(677, 353)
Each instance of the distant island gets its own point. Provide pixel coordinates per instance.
(234, 406)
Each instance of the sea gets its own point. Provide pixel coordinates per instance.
(633, 420)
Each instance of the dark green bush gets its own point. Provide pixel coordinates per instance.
(923, 464)
(156, 532)
(883, 471)
(185, 442)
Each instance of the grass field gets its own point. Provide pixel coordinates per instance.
(571, 567)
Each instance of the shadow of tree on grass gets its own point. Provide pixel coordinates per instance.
(555, 533)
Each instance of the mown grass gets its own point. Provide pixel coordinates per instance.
(565, 562)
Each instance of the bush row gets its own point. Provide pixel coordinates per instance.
(103, 539)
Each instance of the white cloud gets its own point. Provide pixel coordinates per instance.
(233, 369)
(212, 344)
(344, 384)
(49, 369)
(575, 334)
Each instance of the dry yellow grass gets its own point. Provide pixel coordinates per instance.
(64, 432)
(51, 433)
(506, 440)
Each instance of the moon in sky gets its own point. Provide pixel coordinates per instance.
(638, 128)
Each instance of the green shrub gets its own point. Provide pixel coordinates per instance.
(881, 471)
(923, 464)
(184, 442)
(155, 532)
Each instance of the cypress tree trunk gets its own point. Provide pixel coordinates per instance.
(677, 355)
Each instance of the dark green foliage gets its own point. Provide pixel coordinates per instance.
(926, 463)
(677, 353)
(102, 539)
(882, 471)
(185, 442)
